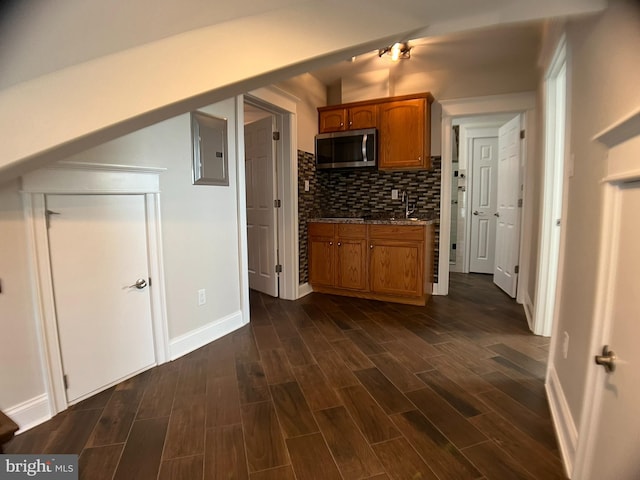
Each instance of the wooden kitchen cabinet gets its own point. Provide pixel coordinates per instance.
(332, 119)
(337, 255)
(351, 256)
(396, 260)
(321, 254)
(403, 123)
(403, 140)
(354, 117)
(382, 262)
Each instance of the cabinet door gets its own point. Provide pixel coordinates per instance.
(351, 266)
(403, 133)
(333, 120)
(396, 267)
(364, 116)
(321, 261)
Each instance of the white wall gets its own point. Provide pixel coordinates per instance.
(199, 222)
(200, 235)
(604, 77)
(311, 94)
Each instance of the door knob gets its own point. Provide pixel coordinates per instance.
(475, 212)
(496, 214)
(607, 359)
(140, 284)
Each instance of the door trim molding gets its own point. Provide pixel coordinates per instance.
(284, 106)
(524, 103)
(552, 243)
(86, 178)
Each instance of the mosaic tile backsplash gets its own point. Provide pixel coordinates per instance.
(363, 193)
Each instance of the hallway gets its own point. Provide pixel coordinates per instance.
(331, 388)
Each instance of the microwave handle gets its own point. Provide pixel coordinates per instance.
(364, 148)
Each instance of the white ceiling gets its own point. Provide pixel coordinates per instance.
(516, 44)
(77, 73)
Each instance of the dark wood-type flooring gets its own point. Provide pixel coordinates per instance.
(331, 388)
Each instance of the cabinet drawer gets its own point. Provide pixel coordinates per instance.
(350, 230)
(321, 229)
(396, 232)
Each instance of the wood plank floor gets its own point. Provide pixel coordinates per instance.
(327, 388)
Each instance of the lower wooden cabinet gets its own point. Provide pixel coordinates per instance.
(321, 254)
(337, 255)
(396, 259)
(384, 262)
(351, 256)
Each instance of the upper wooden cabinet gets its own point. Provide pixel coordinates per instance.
(403, 123)
(404, 139)
(336, 119)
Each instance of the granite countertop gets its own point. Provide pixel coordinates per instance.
(374, 221)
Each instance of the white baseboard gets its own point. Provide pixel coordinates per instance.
(565, 427)
(304, 289)
(436, 289)
(30, 413)
(199, 337)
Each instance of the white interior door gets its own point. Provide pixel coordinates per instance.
(261, 212)
(617, 434)
(98, 250)
(508, 222)
(484, 197)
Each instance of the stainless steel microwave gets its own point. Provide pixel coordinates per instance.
(351, 149)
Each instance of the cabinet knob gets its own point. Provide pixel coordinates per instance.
(330, 243)
(371, 246)
(350, 123)
(339, 244)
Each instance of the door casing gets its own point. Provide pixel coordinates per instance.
(524, 103)
(284, 106)
(86, 178)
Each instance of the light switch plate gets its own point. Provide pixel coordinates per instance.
(306, 185)
(394, 194)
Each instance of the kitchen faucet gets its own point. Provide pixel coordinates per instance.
(407, 210)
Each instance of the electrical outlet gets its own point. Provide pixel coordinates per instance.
(306, 185)
(202, 297)
(394, 194)
(565, 345)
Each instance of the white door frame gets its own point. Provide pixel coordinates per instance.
(623, 141)
(68, 178)
(524, 103)
(554, 192)
(284, 106)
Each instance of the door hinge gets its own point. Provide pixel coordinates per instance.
(519, 203)
(521, 134)
(277, 203)
(149, 281)
(276, 136)
(65, 380)
(278, 268)
(517, 269)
